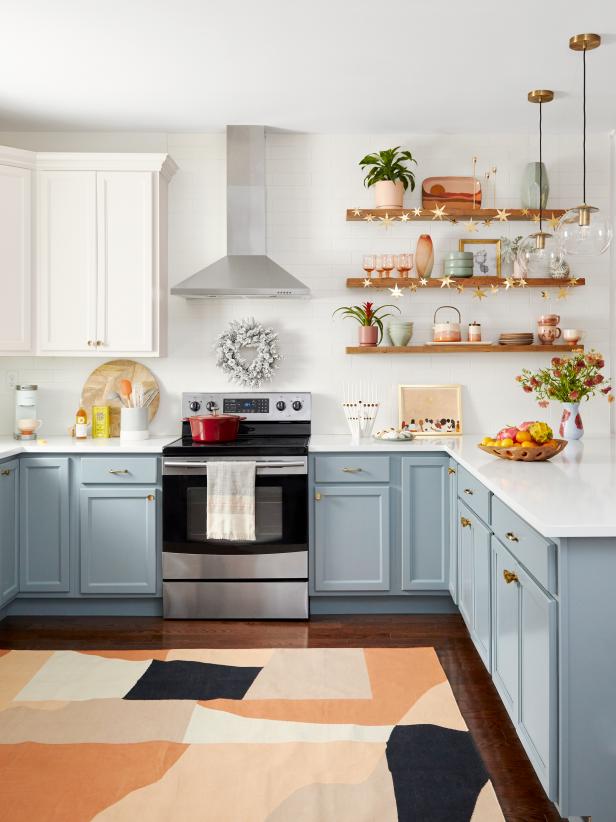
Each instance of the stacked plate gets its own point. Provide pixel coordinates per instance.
(516, 338)
(458, 264)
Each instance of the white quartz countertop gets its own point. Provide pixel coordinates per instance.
(67, 445)
(571, 495)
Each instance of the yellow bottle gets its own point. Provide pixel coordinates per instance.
(81, 423)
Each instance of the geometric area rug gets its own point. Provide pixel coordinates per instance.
(283, 735)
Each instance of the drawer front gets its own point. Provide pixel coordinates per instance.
(119, 470)
(474, 494)
(533, 551)
(360, 468)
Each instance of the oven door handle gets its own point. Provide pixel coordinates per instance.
(169, 464)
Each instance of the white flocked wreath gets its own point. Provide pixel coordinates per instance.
(248, 333)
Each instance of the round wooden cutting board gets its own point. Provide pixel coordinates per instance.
(106, 378)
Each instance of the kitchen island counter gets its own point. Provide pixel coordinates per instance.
(571, 495)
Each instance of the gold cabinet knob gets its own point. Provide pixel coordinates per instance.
(510, 576)
(90, 343)
(4, 472)
(469, 492)
(99, 342)
(465, 523)
(150, 497)
(317, 495)
(451, 471)
(512, 537)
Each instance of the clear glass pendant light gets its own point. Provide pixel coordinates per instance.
(584, 229)
(539, 253)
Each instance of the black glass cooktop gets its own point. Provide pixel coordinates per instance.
(244, 446)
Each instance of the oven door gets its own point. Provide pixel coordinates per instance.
(280, 550)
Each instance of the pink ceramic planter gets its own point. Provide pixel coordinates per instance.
(368, 334)
(388, 194)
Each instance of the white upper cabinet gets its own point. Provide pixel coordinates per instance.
(101, 253)
(15, 250)
(66, 258)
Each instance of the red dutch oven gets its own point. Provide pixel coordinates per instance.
(215, 427)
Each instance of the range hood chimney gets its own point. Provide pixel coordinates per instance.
(246, 270)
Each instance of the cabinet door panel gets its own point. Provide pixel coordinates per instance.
(538, 700)
(352, 538)
(67, 260)
(452, 473)
(118, 540)
(481, 590)
(125, 260)
(44, 524)
(15, 272)
(9, 531)
(425, 524)
(465, 566)
(505, 629)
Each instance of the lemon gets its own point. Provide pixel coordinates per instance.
(486, 441)
(506, 443)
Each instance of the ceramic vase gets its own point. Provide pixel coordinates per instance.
(424, 256)
(388, 194)
(368, 334)
(571, 426)
(532, 193)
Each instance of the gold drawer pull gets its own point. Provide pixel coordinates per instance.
(5, 472)
(119, 471)
(352, 470)
(469, 491)
(510, 576)
(451, 471)
(512, 537)
(464, 522)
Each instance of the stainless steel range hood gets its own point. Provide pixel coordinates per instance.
(246, 271)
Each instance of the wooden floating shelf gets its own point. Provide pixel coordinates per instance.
(426, 216)
(472, 282)
(458, 349)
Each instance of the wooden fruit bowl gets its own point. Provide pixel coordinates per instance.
(519, 453)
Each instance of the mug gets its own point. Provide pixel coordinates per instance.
(572, 336)
(548, 319)
(548, 334)
(28, 426)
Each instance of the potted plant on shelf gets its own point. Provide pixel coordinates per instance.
(568, 380)
(387, 172)
(370, 320)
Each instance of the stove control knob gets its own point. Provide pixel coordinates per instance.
(281, 405)
(297, 406)
(194, 405)
(211, 405)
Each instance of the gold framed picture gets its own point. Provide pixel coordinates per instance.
(486, 256)
(430, 410)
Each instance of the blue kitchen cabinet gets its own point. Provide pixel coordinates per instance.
(525, 667)
(118, 540)
(425, 523)
(9, 531)
(474, 579)
(44, 525)
(352, 538)
(452, 473)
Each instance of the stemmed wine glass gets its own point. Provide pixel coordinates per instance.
(368, 264)
(378, 264)
(388, 264)
(403, 263)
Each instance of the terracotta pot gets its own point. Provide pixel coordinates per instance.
(214, 427)
(368, 334)
(388, 194)
(424, 256)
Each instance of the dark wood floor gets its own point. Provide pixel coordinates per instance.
(517, 787)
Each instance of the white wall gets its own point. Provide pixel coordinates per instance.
(311, 180)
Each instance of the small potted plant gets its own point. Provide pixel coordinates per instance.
(568, 380)
(370, 320)
(390, 176)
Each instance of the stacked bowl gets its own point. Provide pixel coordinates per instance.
(458, 264)
(399, 332)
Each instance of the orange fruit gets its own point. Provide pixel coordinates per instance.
(551, 443)
(523, 436)
(531, 444)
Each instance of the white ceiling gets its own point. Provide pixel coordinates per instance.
(318, 65)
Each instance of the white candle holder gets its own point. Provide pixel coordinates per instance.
(360, 408)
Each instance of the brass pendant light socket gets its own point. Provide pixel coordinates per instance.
(540, 95)
(540, 238)
(585, 211)
(584, 42)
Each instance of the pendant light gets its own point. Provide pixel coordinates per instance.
(539, 252)
(584, 229)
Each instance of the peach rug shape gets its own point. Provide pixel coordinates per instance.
(252, 735)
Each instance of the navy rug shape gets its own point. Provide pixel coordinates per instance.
(180, 679)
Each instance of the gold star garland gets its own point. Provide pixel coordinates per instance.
(446, 282)
(417, 212)
(554, 221)
(357, 212)
(439, 212)
(479, 294)
(502, 215)
(563, 294)
(367, 282)
(396, 292)
(404, 217)
(387, 220)
(369, 218)
(525, 212)
(471, 225)
(509, 282)
(423, 282)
